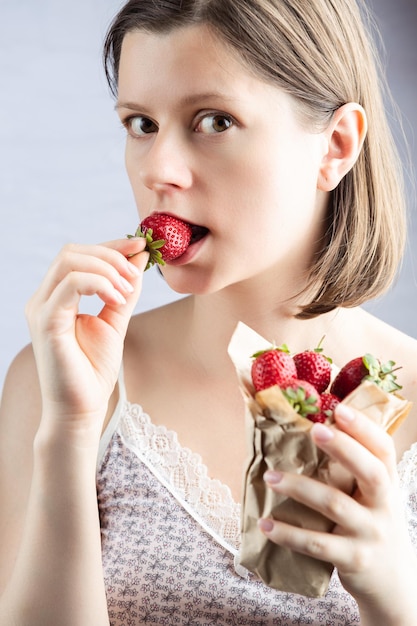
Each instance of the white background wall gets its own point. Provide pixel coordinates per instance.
(62, 174)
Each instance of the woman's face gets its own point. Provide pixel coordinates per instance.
(212, 144)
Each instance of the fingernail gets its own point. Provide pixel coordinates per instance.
(126, 285)
(266, 525)
(273, 477)
(119, 297)
(133, 269)
(344, 413)
(322, 433)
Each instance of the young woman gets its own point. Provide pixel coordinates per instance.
(261, 124)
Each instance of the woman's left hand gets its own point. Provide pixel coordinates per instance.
(369, 544)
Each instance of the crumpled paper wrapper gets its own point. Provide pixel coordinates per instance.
(278, 438)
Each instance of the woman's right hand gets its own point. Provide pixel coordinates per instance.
(79, 355)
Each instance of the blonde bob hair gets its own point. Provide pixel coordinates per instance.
(322, 54)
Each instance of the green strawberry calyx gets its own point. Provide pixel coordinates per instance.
(282, 348)
(301, 402)
(152, 246)
(319, 350)
(382, 374)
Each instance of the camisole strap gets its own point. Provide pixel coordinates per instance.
(114, 420)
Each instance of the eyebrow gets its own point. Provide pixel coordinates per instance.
(186, 101)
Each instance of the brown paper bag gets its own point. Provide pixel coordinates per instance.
(278, 438)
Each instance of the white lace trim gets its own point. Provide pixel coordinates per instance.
(407, 467)
(407, 471)
(182, 471)
(207, 500)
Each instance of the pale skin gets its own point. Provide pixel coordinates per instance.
(215, 116)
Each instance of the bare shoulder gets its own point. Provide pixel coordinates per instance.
(359, 332)
(366, 333)
(389, 343)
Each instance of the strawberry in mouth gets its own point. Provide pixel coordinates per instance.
(167, 237)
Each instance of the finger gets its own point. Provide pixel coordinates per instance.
(322, 546)
(118, 316)
(62, 306)
(371, 473)
(334, 504)
(129, 255)
(367, 432)
(137, 262)
(99, 259)
(127, 247)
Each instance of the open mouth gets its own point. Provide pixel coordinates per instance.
(197, 233)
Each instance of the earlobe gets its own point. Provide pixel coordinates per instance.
(345, 136)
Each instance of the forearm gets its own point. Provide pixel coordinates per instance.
(58, 576)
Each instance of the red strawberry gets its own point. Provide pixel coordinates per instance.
(167, 237)
(274, 366)
(349, 377)
(303, 397)
(175, 233)
(314, 367)
(364, 368)
(328, 404)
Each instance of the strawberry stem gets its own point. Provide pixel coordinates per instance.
(281, 348)
(152, 246)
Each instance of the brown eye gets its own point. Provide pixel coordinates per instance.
(139, 126)
(211, 124)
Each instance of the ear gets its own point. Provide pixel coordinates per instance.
(345, 136)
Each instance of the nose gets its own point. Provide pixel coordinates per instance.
(166, 163)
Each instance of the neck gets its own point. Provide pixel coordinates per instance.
(213, 318)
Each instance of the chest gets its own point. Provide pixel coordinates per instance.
(208, 417)
(162, 565)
